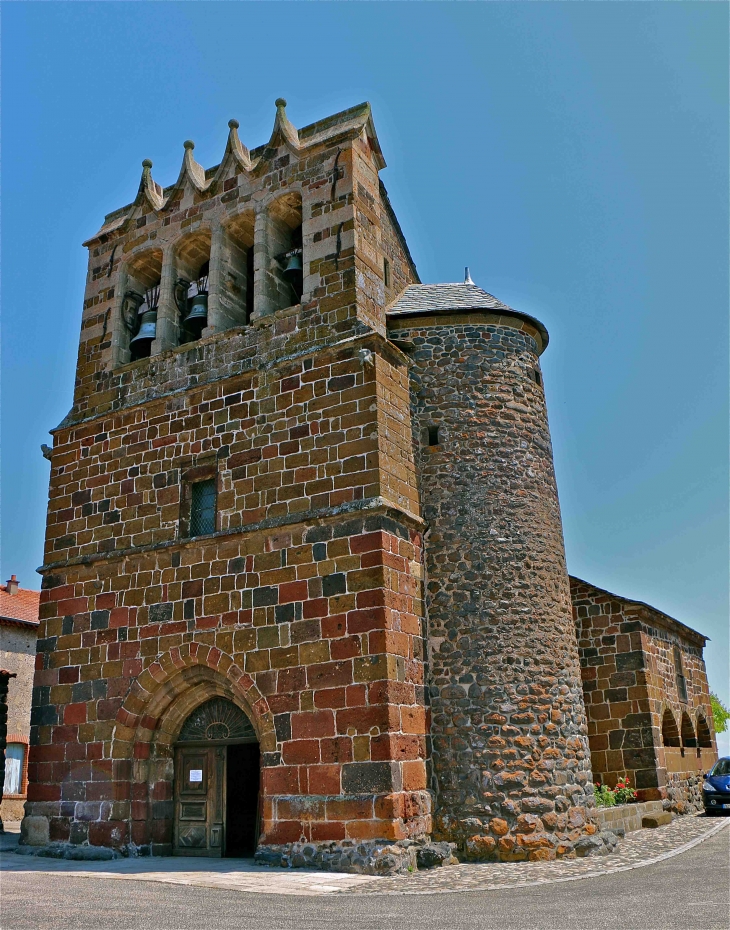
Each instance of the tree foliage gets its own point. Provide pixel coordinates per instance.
(720, 713)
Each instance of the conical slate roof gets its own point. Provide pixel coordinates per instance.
(422, 298)
(425, 299)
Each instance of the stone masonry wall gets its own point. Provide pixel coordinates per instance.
(629, 682)
(395, 250)
(291, 441)
(510, 752)
(17, 654)
(320, 620)
(315, 631)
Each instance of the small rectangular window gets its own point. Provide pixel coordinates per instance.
(202, 508)
(386, 272)
(14, 759)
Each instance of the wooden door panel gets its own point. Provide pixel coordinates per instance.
(199, 801)
(193, 837)
(193, 810)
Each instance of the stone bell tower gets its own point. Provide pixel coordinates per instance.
(232, 601)
(511, 765)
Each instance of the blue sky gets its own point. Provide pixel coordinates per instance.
(574, 155)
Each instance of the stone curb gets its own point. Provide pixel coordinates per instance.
(570, 878)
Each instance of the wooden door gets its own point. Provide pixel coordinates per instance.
(200, 782)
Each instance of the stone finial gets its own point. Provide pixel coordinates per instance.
(283, 127)
(236, 147)
(149, 188)
(194, 171)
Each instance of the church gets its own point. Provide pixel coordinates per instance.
(304, 592)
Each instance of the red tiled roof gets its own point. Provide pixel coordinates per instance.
(21, 606)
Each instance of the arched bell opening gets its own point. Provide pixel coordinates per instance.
(140, 300)
(285, 271)
(670, 731)
(217, 778)
(688, 734)
(236, 281)
(192, 267)
(704, 737)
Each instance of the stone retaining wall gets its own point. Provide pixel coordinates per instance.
(626, 816)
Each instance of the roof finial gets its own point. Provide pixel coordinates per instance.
(148, 187)
(240, 152)
(467, 276)
(282, 126)
(194, 171)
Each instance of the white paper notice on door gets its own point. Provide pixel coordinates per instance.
(196, 775)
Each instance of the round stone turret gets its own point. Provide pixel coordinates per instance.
(510, 758)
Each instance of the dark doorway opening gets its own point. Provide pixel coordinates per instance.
(242, 795)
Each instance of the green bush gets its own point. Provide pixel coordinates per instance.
(604, 796)
(623, 793)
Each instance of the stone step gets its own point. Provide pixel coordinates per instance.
(656, 820)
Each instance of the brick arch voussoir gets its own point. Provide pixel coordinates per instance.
(171, 687)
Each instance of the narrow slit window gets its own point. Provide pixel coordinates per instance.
(681, 680)
(433, 435)
(202, 508)
(538, 377)
(386, 272)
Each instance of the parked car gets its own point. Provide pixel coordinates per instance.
(716, 788)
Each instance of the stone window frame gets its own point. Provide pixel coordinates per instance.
(432, 431)
(19, 738)
(193, 473)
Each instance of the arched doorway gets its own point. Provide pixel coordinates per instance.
(216, 782)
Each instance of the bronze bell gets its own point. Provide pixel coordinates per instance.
(293, 270)
(198, 310)
(147, 326)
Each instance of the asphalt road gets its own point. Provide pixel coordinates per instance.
(687, 892)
